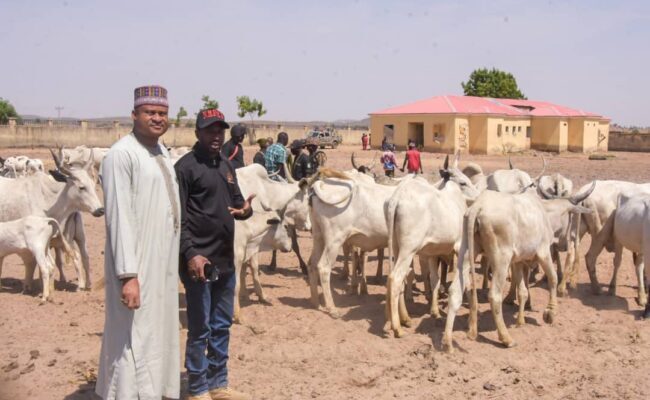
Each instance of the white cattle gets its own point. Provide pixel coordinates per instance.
(19, 166)
(80, 154)
(511, 180)
(343, 212)
(29, 237)
(263, 231)
(42, 196)
(511, 230)
(602, 202)
(426, 220)
(554, 185)
(627, 227)
(292, 198)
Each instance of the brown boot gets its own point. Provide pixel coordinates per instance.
(202, 396)
(228, 394)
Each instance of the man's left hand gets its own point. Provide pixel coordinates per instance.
(245, 210)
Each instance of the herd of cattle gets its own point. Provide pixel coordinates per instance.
(511, 222)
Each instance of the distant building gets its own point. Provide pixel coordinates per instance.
(489, 126)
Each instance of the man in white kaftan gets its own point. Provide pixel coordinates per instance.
(140, 357)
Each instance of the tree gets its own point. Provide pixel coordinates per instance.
(6, 111)
(253, 108)
(209, 103)
(492, 83)
(181, 113)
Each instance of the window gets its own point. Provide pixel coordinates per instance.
(519, 129)
(507, 127)
(499, 130)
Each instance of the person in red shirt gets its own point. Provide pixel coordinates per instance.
(412, 160)
(364, 141)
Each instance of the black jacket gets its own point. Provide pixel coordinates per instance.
(207, 188)
(229, 149)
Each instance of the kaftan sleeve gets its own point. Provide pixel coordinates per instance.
(117, 178)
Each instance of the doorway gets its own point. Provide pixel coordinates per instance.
(416, 133)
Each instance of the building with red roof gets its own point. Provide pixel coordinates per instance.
(483, 125)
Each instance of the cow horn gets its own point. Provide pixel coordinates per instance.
(374, 161)
(313, 178)
(543, 170)
(354, 164)
(89, 162)
(579, 198)
(2, 161)
(287, 172)
(57, 159)
(510, 163)
(334, 202)
(456, 159)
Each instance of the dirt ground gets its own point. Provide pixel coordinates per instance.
(597, 348)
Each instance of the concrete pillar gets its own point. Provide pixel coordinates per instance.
(12, 121)
(84, 124)
(50, 123)
(116, 124)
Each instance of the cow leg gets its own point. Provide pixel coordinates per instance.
(361, 267)
(395, 287)
(379, 276)
(46, 270)
(425, 271)
(410, 282)
(447, 263)
(639, 267)
(255, 271)
(580, 226)
(296, 249)
(274, 261)
(59, 264)
(357, 256)
(597, 243)
(30, 266)
(485, 266)
(500, 262)
(80, 239)
(547, 264)
(618, 256)
(434, 284)
(1, 262)
(519, 280)
(240, 273)
(347, 251)
(324, 273)
(455, 298)
(314, 259)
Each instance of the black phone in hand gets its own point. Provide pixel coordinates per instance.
(210, 272)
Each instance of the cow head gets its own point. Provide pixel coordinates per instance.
(80, 187)
(296, 212)
(571, 203)
(280, 230)
(451, 173)
(554, 185)
(364, 169)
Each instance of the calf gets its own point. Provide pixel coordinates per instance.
(29, 237)
(262, 232)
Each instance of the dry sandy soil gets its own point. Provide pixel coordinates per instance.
(597, 348)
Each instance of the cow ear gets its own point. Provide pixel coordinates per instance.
(273, 221)
(58, 176)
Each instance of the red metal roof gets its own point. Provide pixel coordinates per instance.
(484, 105)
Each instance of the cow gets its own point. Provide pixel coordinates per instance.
(293, 198)
(426, 220)
(80, 154)
(511, 180)
(63, 200)
(511, 230)
(627, 227)
(19, 166)
(602, 202)
(29, 237)
(265, 230)
(344, 211)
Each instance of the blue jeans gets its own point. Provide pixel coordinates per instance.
(209, 317)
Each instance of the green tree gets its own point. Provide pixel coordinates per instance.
(254, 109)
(6, 111)
(492, 83)
(181, 113)
(208, 102)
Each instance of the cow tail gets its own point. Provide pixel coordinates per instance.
(470, 226)
(67, 250)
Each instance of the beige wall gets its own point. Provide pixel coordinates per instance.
(513, 135)
(549, 134)
(447, 126)
(478, 134)
(71, 136)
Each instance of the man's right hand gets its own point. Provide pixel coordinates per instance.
(131, 293)
(195, 267)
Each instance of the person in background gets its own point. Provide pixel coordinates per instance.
(412, 160)
(210, 201)
(276, 157)
(232, 149)
(312, 147)
(364, 141)
(384, 143)
(302, 162)
(259, 156)
(388, 160)
(269, 141)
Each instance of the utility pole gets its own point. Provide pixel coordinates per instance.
(58, 111)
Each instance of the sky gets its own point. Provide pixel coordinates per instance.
(320, 60)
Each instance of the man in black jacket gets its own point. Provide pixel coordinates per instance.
(210, 202)
(232, 149)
